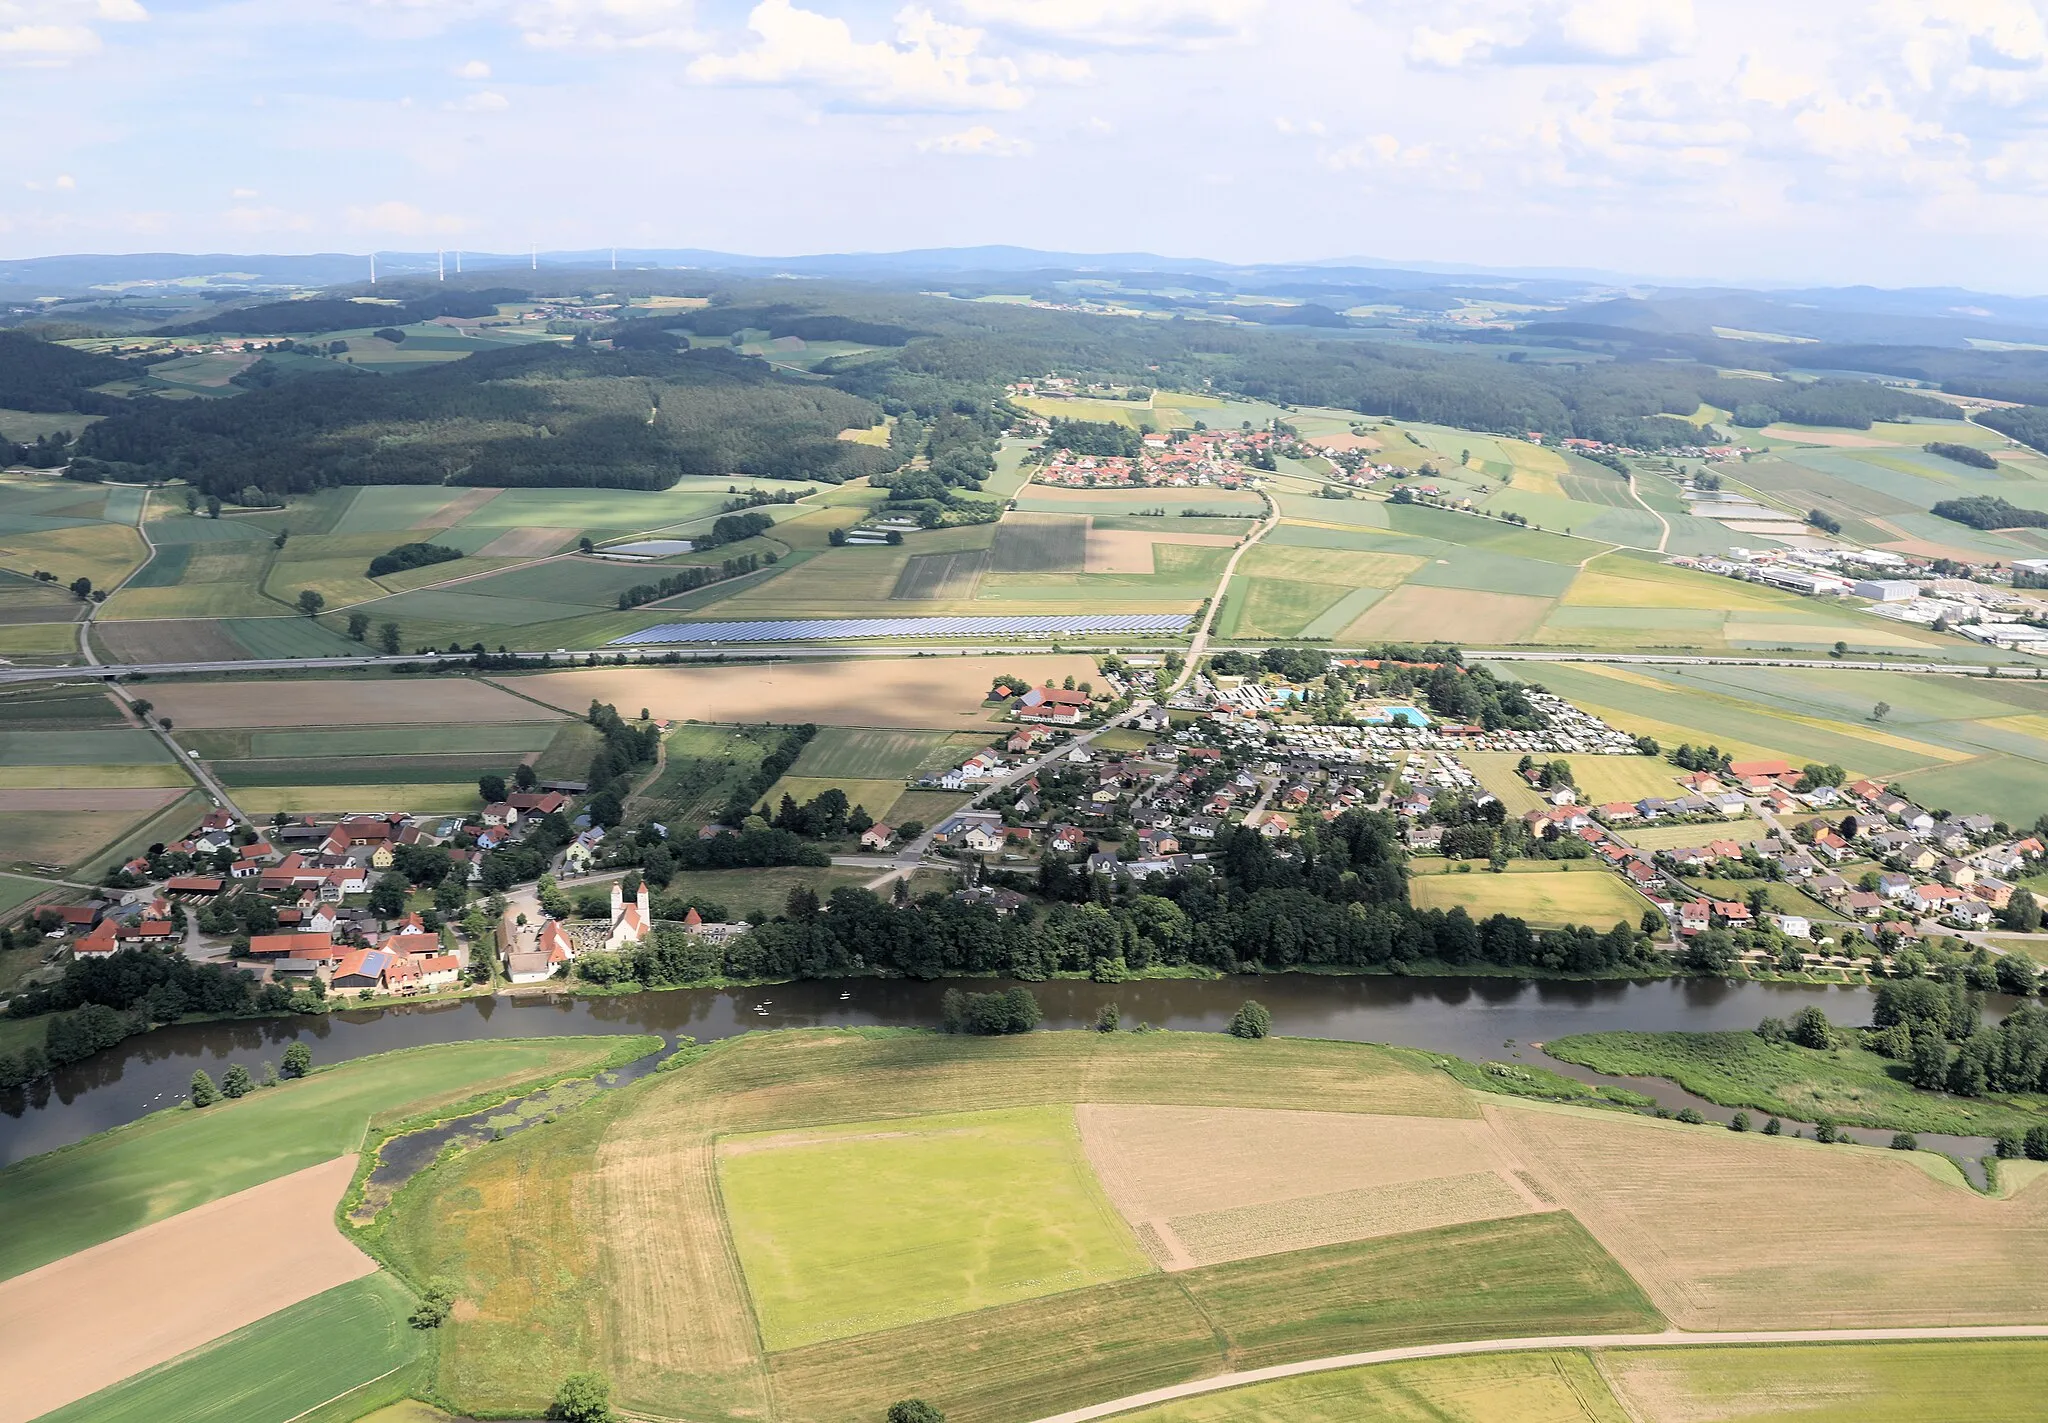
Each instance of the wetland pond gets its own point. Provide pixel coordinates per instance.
(1496, 1019)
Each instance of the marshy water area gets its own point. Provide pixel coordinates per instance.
(1474, 1018)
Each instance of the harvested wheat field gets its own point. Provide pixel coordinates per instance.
(1130, 550)
(1735, 1231)
(1202, 1185)
(92, 1319)
(525, 543)
(943, 693)
(457, 509)
(1422, 613)
(451, 702)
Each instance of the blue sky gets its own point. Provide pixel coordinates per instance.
(1899, 142)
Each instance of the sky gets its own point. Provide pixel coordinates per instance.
(1895, 142)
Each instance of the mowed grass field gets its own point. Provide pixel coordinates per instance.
(618, 1248)
(864, 1226)
(275, 1370)
(108, 1185)
(1535, 890)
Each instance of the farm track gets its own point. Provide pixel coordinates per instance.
(1669, 1339)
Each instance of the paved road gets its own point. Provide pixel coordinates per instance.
(1670, 1339)
(915, 647)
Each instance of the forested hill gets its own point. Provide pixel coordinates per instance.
(280, 318)
(36, 375)
(557, 415)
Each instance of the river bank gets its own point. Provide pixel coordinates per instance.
(1476, 1018)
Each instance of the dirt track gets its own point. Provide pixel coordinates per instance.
(90, 1320)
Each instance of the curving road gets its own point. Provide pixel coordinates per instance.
(1667, 1340)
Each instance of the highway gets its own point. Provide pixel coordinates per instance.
(912, 647)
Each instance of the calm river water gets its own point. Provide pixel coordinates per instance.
(1469, 1017)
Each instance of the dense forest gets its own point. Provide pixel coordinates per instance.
(281, 318)
(1984, 511)
(2028, 424)
(40, 376)
(563, 415)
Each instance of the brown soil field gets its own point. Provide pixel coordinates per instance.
(1726, 1230)
(944, 693)
(1459, 614)
(1210, 1182)
(458, 508)
(1344, 442)
(525, 543)
(345, 704)
(1130, 550)
(97, 1317)
(169, 640)
(127, 800)
(1213, 1237)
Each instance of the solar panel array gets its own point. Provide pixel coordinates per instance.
(839, 629)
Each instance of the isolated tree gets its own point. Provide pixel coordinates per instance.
(298, 1060)
(914, 1410)
(387, 896)
(1739, 1122)
(1252, 1020)
(213, 506)
(282, 535)
(82, 587)
(387, 639)
(1109, 1018)
(191, 500)
(583, 1398)
(1905, 1141)
(1773, 1127)
(1810, 1028)
(143, 706)
(204, 1093)
(236, 1083)
(311, 602)
(359, 626)
(525, 777)
(436, 1304)
(491, 786)
(1880, 711)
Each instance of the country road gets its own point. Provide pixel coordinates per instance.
(1670, 1339)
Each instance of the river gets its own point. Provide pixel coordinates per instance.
(1469, 1017)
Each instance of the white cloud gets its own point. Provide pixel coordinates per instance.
(929, 66)
(1556, 32)
(475, 69)
(62, 183)
(484, 101)
(1121, 24)
(398, 219)
(53, 32)
(608, 24)
(980, 141)
(240, 193)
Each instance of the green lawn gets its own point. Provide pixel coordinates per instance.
(846, 1230)
(124, 1179)
(864, 753)
(273, 1370)
(1537, 890)
(1848, 1085)
(742, 891)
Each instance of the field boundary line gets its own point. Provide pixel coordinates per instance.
(1670, 1338)
(347, 1391)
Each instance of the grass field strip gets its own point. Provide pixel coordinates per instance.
(1666, 1340)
